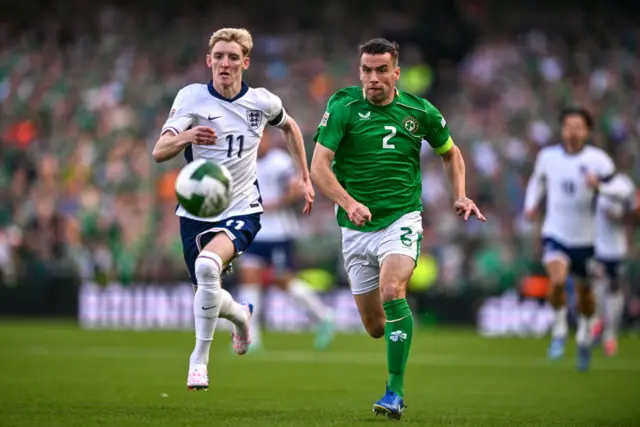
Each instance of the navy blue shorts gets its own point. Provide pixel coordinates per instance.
(275, 253)
(578, 257)
(196, 235)
(612, 269)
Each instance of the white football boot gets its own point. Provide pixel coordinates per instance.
(198, 378)
(241, 337)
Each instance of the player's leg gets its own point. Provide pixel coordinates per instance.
(283, 266)
(395, 273)
(204, 270)
(238, 314)
(397, 254)
(207, 302)
(586, 304)
(600, 287)
(251, 286)
(614, 307)
(208, 248)
(211, 302)
(239, 231)
(369, 305)
(557, 264)
(364, 279)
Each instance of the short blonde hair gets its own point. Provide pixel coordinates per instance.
(238, 35)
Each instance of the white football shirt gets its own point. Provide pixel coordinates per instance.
(570, 204)
(239, 124)
(616, 197)
(276, 169)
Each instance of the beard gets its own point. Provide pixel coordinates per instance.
(377, 96)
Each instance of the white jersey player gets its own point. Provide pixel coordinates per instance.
(270, 259)
(616, 202)
(568, 230)
(223, 121)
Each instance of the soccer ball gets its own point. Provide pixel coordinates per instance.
(203, 188)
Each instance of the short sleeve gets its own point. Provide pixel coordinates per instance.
(436, 131)
(180, 118)
(274, 111)
(633, 196)
(607, 168)
(332, 127)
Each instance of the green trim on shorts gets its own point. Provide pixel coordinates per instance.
(418, 244)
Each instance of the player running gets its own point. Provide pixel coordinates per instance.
(270, 258)
(367, 160)
(223, 121)
(568, 230)
(616, 206)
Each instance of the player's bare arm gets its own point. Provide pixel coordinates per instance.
(454, 165)
(324, 178)
(170, 145)
(295, 145)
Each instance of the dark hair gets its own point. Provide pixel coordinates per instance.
(381, 46)
(577, 111)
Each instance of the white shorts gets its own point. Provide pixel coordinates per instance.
(364, 252)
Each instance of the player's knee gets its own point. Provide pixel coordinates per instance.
(391, 290)
(558, 273)
(558, 281)
(207, 268)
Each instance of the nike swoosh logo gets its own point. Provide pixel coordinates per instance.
(208, 308)
(210, 118)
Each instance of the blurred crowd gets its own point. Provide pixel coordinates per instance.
(84, 91)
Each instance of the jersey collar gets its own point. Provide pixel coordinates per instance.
(575, 153)
(243, 90)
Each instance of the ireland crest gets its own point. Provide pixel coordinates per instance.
(410, 124)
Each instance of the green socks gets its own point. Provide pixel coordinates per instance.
(398, 332)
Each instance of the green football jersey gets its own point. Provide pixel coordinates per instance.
(377, 151)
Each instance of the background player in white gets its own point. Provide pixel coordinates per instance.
(616, 208)
(224, 121)
(270, 257)
(568, 230)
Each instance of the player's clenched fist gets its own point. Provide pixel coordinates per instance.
(358, 213)
(202, 135)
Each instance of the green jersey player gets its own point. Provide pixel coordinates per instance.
(367, 160)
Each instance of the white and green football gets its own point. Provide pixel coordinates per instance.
(203, 188)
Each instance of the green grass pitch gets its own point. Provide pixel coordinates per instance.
(55, 374)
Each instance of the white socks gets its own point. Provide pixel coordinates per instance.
(253, 294)
(307, 298)
(560, 327)
(206, 304)
(584, 336)
(600, 292)
(614, 311)
(232, 310)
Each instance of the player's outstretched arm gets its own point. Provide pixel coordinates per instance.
(295, 145)
(323, 176)
(455, 167)
(535, 189)
(170, 145)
